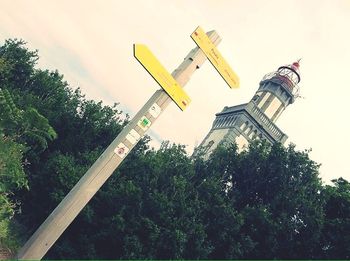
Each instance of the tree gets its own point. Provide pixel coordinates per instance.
(287, 187)
(276, 190)
(16, 64)
(163, 205)
(335, 242)
(37, 107)
(21, 132)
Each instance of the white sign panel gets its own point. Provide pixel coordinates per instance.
(121, 150)
(155, 110)
(133, 137)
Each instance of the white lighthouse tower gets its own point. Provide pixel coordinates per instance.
(256, 119)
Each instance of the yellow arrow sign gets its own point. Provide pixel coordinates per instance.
(214, 56)
(161, 75)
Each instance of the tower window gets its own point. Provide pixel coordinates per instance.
(255, 98)
(263, 100)
(248, 130)
(209, 145)
(273, 107)
(244, 125)
(252, 134)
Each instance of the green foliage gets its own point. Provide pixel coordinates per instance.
(265, 203)
(163, 205)
(12, 178)
(17, 64)
(25, 126)
(11, 171)
(21, 130)
(335, 236)
(282, 186)
(37, 107)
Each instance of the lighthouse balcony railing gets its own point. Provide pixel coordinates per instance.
(284, 81)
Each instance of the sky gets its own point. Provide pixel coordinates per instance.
(91, 42)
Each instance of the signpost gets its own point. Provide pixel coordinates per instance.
(52, 228)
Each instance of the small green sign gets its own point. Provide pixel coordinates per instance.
(144, 123)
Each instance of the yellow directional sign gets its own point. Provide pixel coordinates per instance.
(161, 75)
(214, 56)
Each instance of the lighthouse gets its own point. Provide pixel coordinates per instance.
(257, 118)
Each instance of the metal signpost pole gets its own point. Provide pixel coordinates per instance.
(46, 235)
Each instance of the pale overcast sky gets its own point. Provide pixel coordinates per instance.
(90, 42)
